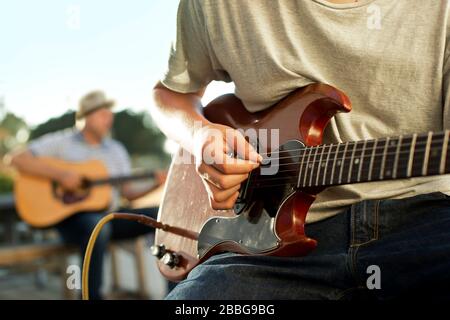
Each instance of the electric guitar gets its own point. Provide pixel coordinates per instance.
(269, 215)
(43, 203)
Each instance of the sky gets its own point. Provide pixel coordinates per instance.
(54, 51)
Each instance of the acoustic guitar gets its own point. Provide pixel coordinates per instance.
(43, 203)
(269, 215)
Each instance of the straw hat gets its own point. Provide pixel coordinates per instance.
(92, 102)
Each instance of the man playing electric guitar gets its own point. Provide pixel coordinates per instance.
(89, 143)
(392, 59)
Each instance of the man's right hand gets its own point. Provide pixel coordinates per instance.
(70, 181)
(224, 160)
(177, 115)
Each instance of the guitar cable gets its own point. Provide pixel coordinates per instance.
(152, 223)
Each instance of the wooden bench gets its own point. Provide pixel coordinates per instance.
(54, 254)
(27, 255)
(20, 254)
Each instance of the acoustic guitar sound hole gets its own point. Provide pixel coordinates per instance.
(69, 197)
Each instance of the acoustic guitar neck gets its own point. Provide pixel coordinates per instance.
(121, 179)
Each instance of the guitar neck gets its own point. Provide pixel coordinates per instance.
(121, 179)
(375, 160)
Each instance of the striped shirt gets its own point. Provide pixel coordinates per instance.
(70, 145)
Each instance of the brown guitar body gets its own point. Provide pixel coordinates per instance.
(302, 116)
(41, 203)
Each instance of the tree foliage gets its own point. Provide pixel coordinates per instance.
(136, 131)
(10, 126)
(12, 123)
(67, 120)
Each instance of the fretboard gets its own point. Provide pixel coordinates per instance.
(374, 160)
(122, 179)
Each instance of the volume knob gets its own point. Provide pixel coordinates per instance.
(158, 250)
(170, 259)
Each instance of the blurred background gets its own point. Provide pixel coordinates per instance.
(52, 53)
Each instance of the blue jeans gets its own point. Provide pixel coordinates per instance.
(407, 239)
(78, 228)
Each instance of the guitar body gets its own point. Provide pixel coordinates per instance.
(41, 202)
(271, 220)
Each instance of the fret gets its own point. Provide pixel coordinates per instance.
(372, 160)
(378, 160)
(397, 157)
(349, 177)
(304, 166)
(426, 155)
(343, 162)
(444, 153)
(419, 155)
(360, 155)
(321, 164)
(366, 160)
(307, 167)
(313, 165)
(328, 177)
(383, 159)
(301, 167)
(405, 157)
(334, 164)
(411, 155)
(326, 165)
(347, 161)
(391, 154)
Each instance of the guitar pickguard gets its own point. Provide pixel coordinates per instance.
(253, 230)
(253, 234)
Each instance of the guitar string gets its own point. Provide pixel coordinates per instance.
(434, 143)
(364, 173)
(440, 137)
(348, 155)
(289, 179)
(437, 143)
(388, 163)
(343, 159)
(352, 143)
(294, 181)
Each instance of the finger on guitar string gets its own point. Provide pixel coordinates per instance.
(239, 146)
(225, 205)
(221, 180)
(220, 195)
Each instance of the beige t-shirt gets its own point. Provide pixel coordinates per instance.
(389, 56)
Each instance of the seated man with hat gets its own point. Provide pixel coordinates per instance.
(89, 141)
